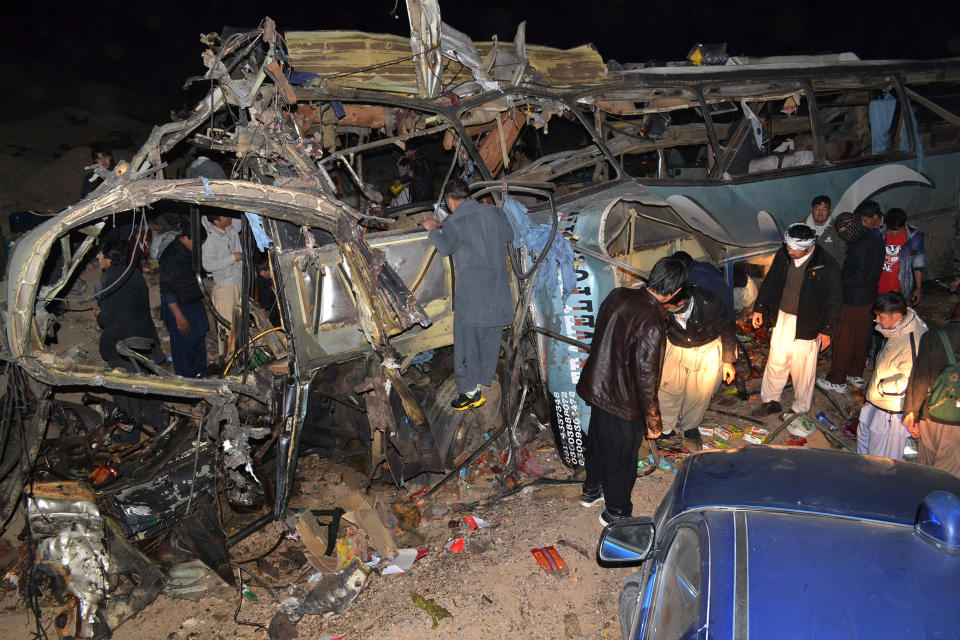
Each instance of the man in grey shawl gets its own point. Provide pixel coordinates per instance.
(476, 235)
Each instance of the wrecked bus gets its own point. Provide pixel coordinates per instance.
(623, 163)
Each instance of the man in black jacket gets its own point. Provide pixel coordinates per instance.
(800, 297)
(181, 303)
(939, 442)
(861, 270)
(701, 345)
(123, 311)
(620, 381)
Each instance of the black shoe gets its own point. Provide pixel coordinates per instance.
(768, 408)
(466, 401)
(693, 434)
(609, 516)
(590, 497)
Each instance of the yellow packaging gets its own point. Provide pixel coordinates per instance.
(728, 432)
(756, 435)
(715, 444)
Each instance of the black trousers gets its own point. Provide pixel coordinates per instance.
(611, 457)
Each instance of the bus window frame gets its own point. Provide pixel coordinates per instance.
(869, 84)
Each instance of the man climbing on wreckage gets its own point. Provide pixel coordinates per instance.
(620, 381)
(476, 236)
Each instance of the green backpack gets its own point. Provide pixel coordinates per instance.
(943, 404)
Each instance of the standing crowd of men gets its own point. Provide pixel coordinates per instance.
(660, 350)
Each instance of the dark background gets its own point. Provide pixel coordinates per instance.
(54, 52)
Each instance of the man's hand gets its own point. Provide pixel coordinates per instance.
(729, 372)
(824, 340)
(182, 323)
(910, 422)
(955, 284)
(757, 319)
(916, 296)
(96, 309)
(237, 256)
(429, 224)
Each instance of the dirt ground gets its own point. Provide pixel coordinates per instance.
(493, 588)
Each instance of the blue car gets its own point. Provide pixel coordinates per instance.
(780, 542)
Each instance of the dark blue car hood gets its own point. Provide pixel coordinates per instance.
(824, 577)
(810, 480)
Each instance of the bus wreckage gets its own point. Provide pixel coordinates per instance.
(619, 165)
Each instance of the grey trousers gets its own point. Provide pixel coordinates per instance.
(475, 354)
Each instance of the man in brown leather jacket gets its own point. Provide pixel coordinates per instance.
(620, 381)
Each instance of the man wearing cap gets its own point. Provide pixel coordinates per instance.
(861, 270)
(800, 298)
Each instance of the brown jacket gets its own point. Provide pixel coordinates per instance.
(622, 373)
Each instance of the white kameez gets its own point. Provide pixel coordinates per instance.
(789, 357)
(881, 433)
(690, 378)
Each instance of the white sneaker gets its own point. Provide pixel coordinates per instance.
(826, 385)
(855, 381)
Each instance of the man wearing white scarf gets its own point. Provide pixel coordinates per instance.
(881, 431)
(800, 297)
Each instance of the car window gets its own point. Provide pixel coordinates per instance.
(676, 602)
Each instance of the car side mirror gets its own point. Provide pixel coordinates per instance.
(627, 541)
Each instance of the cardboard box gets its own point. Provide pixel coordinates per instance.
(756, 435)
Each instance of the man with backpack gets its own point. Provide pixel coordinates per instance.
(931, 411)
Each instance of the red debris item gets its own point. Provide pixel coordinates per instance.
(797, 442)
(475, 523)
(103, 473)
(549, 559)
(421, 551)
(455, 545)
(555, 557)
(453, 524)
(418, 494)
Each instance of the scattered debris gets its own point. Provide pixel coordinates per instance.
(359, 512)
(333, 593)
(434, 610)
(456, 545)
(549, 559)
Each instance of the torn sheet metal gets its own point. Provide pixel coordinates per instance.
(425, 45)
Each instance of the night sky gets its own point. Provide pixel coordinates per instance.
(151, 49)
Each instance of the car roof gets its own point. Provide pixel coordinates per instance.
(809, 480)
(813, 576)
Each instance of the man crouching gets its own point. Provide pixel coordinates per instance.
(701, 345)
(620, 381)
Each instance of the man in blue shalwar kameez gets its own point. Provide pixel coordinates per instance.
(476, 236)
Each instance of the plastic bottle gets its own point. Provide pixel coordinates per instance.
(823, 419)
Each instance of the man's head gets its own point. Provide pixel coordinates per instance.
(182, 226)
(896, 221)
(683, 257)
(870, 214)
(799, 240)
(667, 278)
(112, 251)
(219, 221)
(455, 193)
(889, 309)
(102, 155)
(820, 209)
(848, 226)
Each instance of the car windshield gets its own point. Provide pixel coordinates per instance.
(677, 600)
